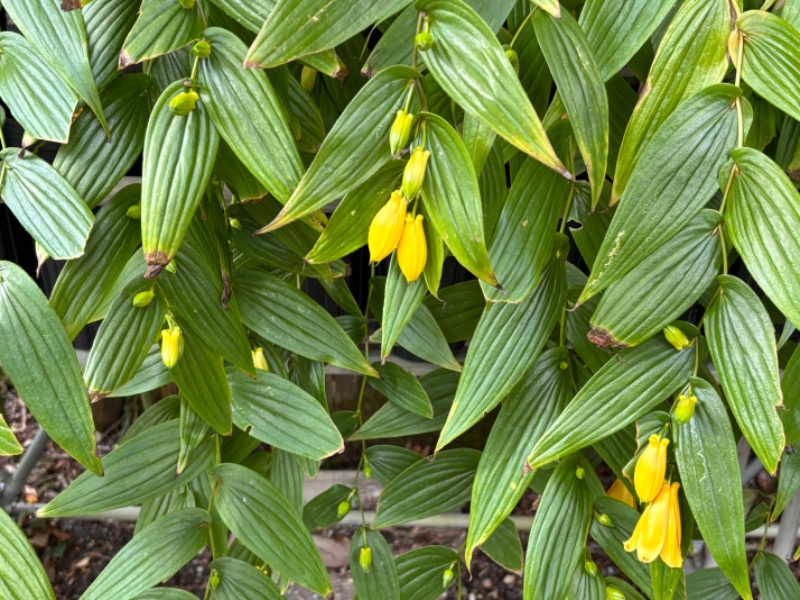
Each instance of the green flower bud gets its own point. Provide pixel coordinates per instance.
(172, 266)
(684, 411)
(214, 579)
(590, 567)
(202, 49)
(368, 472)
(414, 173)
(187, 4)
(563, 366)
(605, 520)
(234, 223)
(308, 78)
(365, 558)
(183, 103)
(401, 130)
(513, 58)
(676, 337)
(343, 509)
(447, 577)
(135, 212)
(424, 41)
(580, 473)
(143, 299)
(613, 593)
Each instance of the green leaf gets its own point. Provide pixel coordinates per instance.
(241, 101)
(154, 555)
(742, 343)
(624, 389)
(763, 214)
(705, 449)
(580, 86)
(84, 283)
(428, 488)
(323, 510)
(155, 508)
(347, 228)
(61, 37)
(392, 421)
(23, 574)
(774, 578)
(667, 582)
(9, 446)
(466, 58)
(164, 593)
(46, 205)
(692, 55)
(788, 483)
(400, 301)
(296, 29)
(771, 49)
(306, 328)
(160, 411)
(662, 287)
(141, 468)
(237, 580)
(558, 534)
(264, 521)
(281, 414)
(162, 26)
(508, 339)
(421, 572)
(124, 339)
(500, 480)
(178, 157)
(193, 431)
(616, 29)
(235, 175)
(92, 163)
(551, 7)
(41, 363)
(387, 462)
(152, 374)
(504, 546)
(354, 150)
(107, 24)
(452, 198)
(38, 98)
(668, 188)
(402, 389)
(706, 584)
(521, 245)
(457, 310)
(381, 580)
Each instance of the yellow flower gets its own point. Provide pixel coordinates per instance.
(676, 337)
(651, 468)
(412, 253)
(171, 346)
(387, 227)
(401, 130)
(414, 173)
(619, 491)
(650, 534)
(671, 552)
(684, 411)
(259, 361)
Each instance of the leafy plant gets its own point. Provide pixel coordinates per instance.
(619, 177)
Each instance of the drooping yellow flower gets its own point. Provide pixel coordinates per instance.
(412, 252)
(671, 552)
(684, 411)
(676, 337)
(651, 468)
(171, 346)
(414, 173)
(387, 227)
(259, 361)
(650, 534)
(619, 491)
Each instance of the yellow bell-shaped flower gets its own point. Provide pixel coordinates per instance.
(651, 468)
(387, 227)
(671, 552)
(619, 491)
(171, 346)
(650, 534)
(259, 360)
(412, 252)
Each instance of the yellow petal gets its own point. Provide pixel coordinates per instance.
(619, 491)
(654, 528)
(651, 468)
(631, 544)
(387, 227)
(671, 552)
(412, 252)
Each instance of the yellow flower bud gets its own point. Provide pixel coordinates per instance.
(619, 491)
(401, 130)
(184, 103)
(365, 558)
(259, 361)
(308, 78)
(590, 567)
(648, 477)
(414, 173)
(613, 593)
(676, 337)
(684, 411)
(171, 346)
(135, 212)
(651, 531)
(412, 252)
(202, 49)
(387, 227)
(143, 299)
(343, 509)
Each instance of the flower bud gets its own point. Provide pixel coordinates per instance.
(684, 411)
(424, 41)
(308, 78)
(214, 579)
(580, 473)
(648, 476)
(447, 577)
(134, 212)
(613, 593)
(143, 299)
(414, 173)
(172, 266)
(368, 472)
(259, 361)
(365, 558)
(171, 346)
(235, 223)
(202, 49)
(187, 4)
(513, 58)
(590, 567)
(412, 251)
(400, 132)
(342, 509)
(605, 520)
(387, 227)
(183, 103)
(676, 337)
